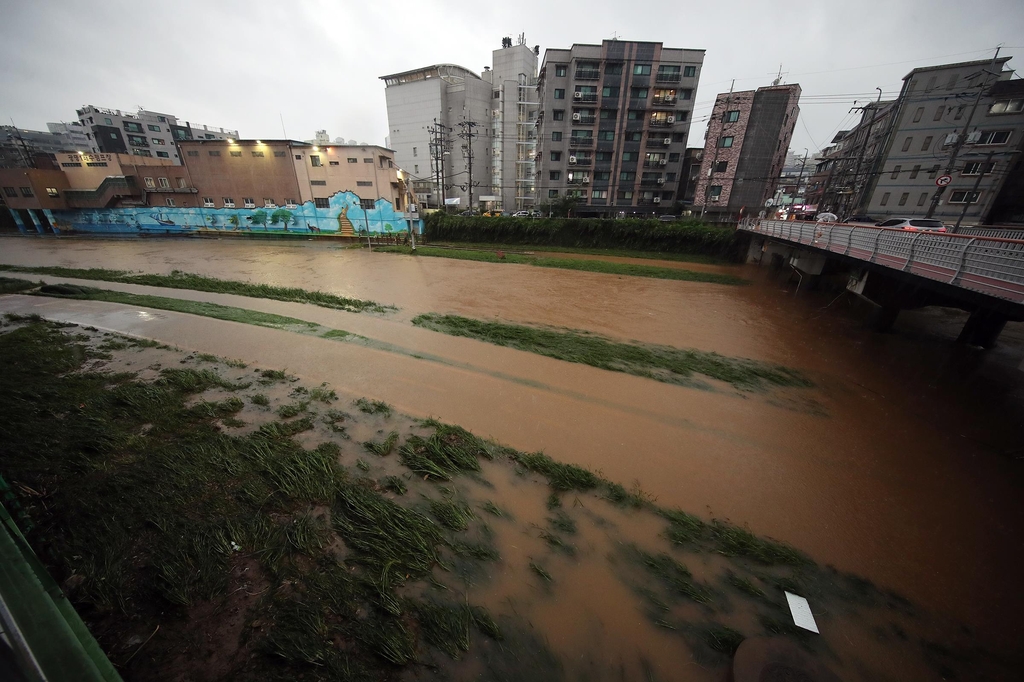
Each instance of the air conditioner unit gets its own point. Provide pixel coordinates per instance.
(657, 200)
(662, 162)
(668, 140)
(572, 160)
(670, 119)
(586, 181)
(577, 95)
(972, 138)
(577, 117)
(951, 138)
(661, 181)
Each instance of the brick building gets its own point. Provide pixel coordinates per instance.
(745, 149)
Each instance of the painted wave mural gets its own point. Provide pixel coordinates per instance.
(344, 217)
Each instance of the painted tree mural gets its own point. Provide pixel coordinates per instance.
(260, 218)
(282, 216)
(234, 221)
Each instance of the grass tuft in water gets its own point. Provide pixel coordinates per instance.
(672, 574)
(735, 541)
(394, 484)
(383, 448)
(372, 407)
(259, 399)
(292, 409)
(560, 476)
(452, 514)
(662, 363)
(541, 572)
(449, 451)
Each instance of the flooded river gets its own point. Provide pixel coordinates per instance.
(903, 464)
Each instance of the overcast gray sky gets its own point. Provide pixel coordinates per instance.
(244, 63)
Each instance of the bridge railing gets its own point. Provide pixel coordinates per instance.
(989, 265)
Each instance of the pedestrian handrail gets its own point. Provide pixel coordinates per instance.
(988, 264)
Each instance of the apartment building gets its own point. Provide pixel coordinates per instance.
(613, 124)
(144, 133)
(22, 148)
(745, 149)
(513, 78)
(963, 120)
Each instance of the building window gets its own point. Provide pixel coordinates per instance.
(913, 173)
(560, 70)
(688, 94)
(638, 93)
(150, 183)
(113, 136)
(715, 192)
(193, 152)
(314, 160)
(320, 202)
(237, 154)
(605, 176)
(352, 160)
(613, 69)
(964, 197)
(556, 156)
(556, 136)
(939, 112)
(10, 191)
(634, 115)
(689, 71)
(599, 194)
(269, 203)
(229, 202)
(725, 141)
(732, 116)
(721, 166)
(555, 175)
(162, 119)
(629, 156)
(627, 176)
(249, 202)
(318, 183)
(558, 115)
(26, 192)
(975, 168)
(641, 69)
(603, 156)
(634, 136)
(298, 157)
(96, 164)
(169, 201)
(213, 152)
(1007, 106)
(608, 114)
(923, 198)
(610, 91)
(606, 135)
(918, 114)
(257, 154)
(280, 154)
(416, 168)
(52, 192)
(903, 198)
(927, 143)
(367, 160)
(364, 183)
(367, 204)
(156, 140)
(896, 172)
(333, 163)
(181, 183)
(110, 123)
(933, 171)
(559, 93)
(673, 158)
(907, 142)
(208, 202)
(164, 183)
(290, 203)
(163, 155)
(994, 137)
(73, 164)
(552, 193)
(885, 199)
(625, 195)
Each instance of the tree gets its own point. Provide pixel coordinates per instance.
(234, 221)
(282, 216)
(260, 218)
(561, 207)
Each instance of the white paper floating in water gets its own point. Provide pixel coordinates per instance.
(801, 611)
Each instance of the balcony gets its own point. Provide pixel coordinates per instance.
(579, 160)
(658, 142)
(584, 180)
(649, 201)
(668, 77)
(663, 101)
(588, 74)
(663, 122)
(584, 97)
(655, 163)
(583, 120)
(581, 142)
(652, 182)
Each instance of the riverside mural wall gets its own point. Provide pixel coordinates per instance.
(343, 217)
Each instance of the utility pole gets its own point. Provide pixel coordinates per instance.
(718, 141)
(861, 181)
(962, 137)
(799, 178)
(438, 150)
(466, 133)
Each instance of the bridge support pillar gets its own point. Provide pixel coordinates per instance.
(884, 318)
(982, 328)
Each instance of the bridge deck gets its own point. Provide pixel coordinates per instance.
(987, 265)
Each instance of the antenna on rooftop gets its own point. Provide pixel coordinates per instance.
(778, 78)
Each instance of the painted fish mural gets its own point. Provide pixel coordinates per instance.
(344, 216)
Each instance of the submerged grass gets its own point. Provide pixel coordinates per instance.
(662, 363)
(383, 448)
(184, 280)
(11, 285)
(449, 451)
(586, 265)
(623, 253)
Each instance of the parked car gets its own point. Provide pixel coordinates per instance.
(668, 218)
(521, 214)
(861, 219)
(914, 224)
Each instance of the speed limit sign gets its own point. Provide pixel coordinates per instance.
(943, 180)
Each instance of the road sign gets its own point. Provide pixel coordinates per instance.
(943, 180)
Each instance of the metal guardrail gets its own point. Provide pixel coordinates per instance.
(992, 232)
(988, 265)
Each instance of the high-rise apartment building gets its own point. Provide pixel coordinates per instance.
(145, 133)
(745, 149)
(433, 111)
(613, 125)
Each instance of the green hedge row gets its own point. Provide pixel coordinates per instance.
(640, 235)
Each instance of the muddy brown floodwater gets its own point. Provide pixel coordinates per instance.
(902, 464)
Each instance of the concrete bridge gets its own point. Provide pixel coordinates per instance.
(901, 269)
